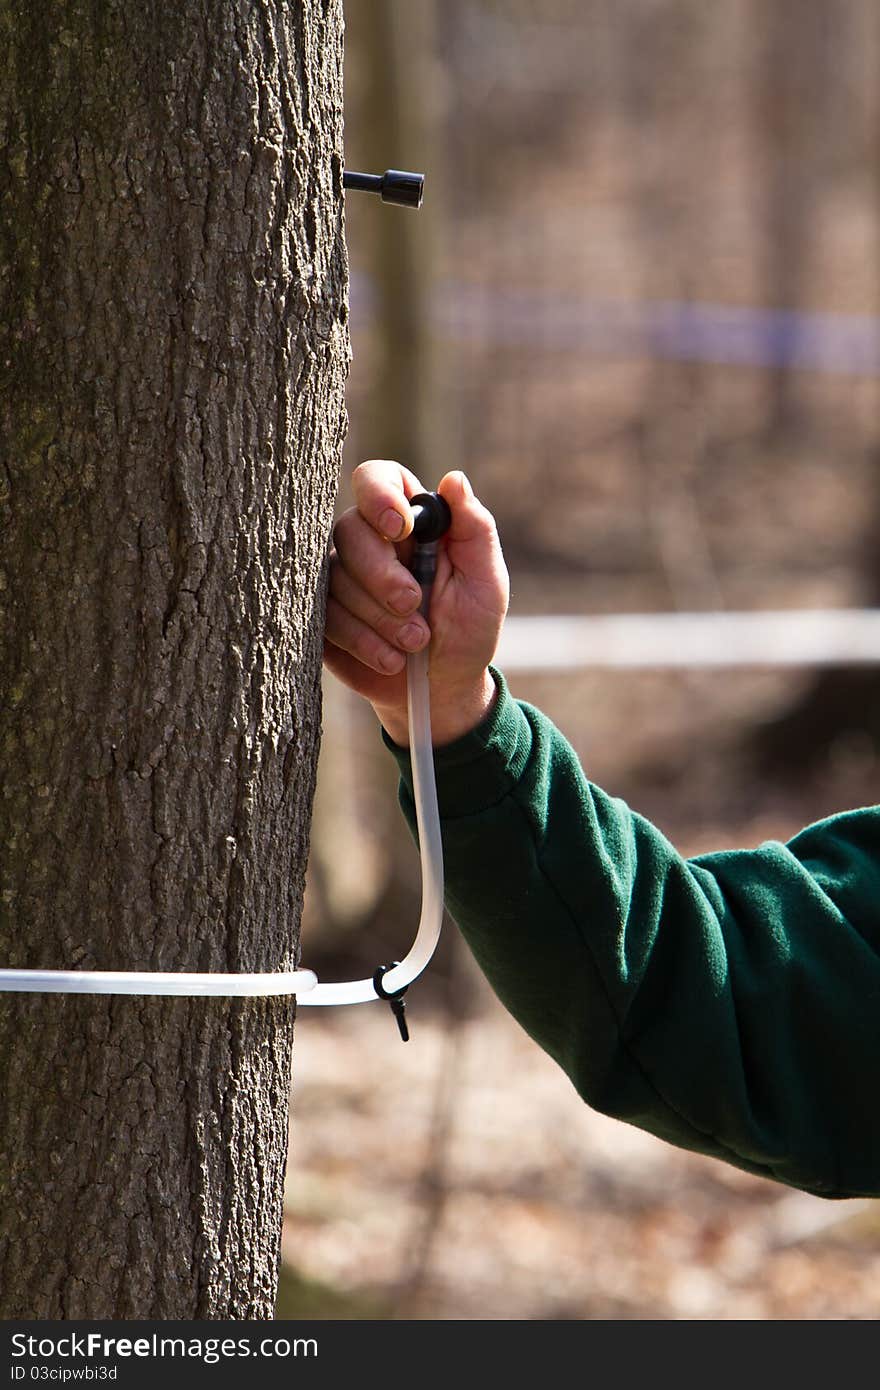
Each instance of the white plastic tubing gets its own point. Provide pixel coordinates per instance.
(304, 984)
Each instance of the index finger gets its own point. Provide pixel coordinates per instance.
(382, 489)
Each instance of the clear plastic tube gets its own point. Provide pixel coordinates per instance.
(302, 983)
(430, 853)
(154, 982)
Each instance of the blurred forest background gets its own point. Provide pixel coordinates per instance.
(640, 308)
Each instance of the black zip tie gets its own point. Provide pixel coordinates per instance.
(394, 998)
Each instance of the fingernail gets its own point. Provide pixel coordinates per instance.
(404, 600)
(392, 662)
(412, 636)
(466, 485)
(391, 524)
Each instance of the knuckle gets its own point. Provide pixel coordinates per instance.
(343, 526)
(366, 647)
(335, 575)
(388, 628)
(484, 518)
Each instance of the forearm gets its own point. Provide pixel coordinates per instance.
(708, 1001)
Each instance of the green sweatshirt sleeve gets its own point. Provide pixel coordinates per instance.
(729, 1003)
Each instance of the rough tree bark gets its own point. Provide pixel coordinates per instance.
(173, 350)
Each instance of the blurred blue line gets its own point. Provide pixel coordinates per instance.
(841, 344)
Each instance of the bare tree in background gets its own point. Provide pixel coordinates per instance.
(173, 351)
(394, 118)
(395, 126)
(816, 127)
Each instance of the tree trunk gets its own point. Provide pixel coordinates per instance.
(173, 350)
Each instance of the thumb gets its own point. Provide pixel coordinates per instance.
(472, 542)
(471, 521)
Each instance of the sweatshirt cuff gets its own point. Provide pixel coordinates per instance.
(479, 769)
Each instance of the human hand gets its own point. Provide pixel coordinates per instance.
(372, 605)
